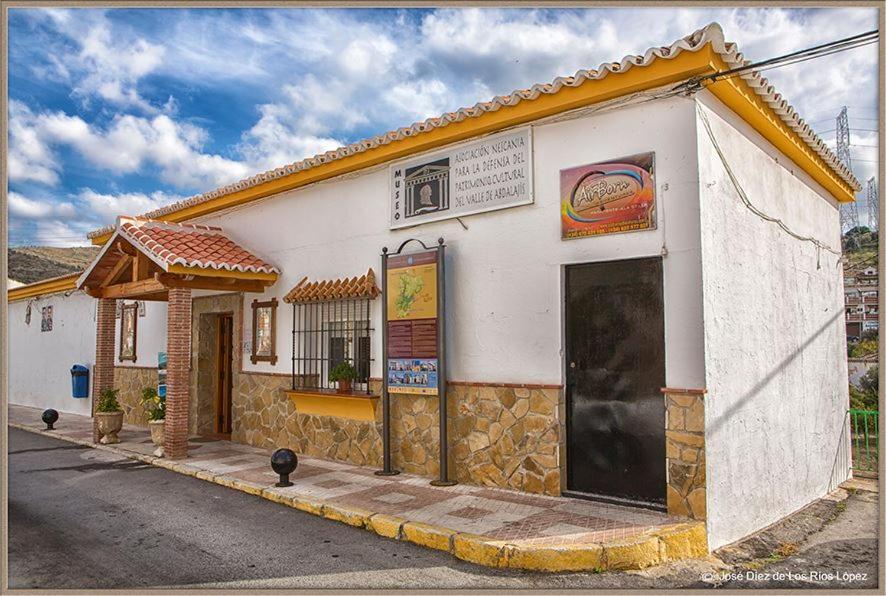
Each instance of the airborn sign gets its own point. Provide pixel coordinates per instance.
(489, 174)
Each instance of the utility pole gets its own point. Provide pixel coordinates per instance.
(848, 211)
(873, 204)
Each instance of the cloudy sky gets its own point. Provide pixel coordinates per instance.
(119, 111)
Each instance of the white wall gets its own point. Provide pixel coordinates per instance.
(504, 271)
(774, 335)
(150, 336)
(40, 362)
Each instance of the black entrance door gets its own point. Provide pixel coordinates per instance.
(615, 416)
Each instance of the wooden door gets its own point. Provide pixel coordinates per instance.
(224, 387)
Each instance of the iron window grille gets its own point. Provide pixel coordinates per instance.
(326, 333)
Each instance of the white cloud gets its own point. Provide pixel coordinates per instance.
(29, 158)
(106, 207)
(26, 208)
(128, 144)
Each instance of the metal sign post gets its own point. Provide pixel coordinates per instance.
(441, 366)
(414, 338)
(385, 396)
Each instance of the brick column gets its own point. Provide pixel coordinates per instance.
(178, 386)
(103, 370)
(685, 436)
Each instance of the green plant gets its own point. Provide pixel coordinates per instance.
(155, 406)
(343, 371)
(866, 395)
(107, 401)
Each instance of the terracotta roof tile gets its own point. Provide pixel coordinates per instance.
(191, 245)
(334, 289)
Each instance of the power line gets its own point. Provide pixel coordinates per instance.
(826, 49)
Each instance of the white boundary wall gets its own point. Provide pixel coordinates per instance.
(775, 340)
(40, 362)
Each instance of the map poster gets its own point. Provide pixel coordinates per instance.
(608, 197)
(412, 324)
(412, 286)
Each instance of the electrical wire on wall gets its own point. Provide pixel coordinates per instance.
(751, 207)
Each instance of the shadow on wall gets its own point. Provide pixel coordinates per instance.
(762, 383)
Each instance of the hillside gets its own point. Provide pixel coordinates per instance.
(29, 264)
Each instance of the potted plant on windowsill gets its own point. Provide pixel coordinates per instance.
(109, 416)
(344, 374)
(155, 409)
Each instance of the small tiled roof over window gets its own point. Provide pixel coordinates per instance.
(191, 245)
(334, 289)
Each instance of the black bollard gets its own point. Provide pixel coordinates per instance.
(50, 417)
(284, 462)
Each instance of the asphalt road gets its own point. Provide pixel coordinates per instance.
(85, 518)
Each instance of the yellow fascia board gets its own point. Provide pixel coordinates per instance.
(42, 288)
(201, 272)
(338, 406)
(660, 72)
(750, 107)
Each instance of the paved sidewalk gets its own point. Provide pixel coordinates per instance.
(488, 526)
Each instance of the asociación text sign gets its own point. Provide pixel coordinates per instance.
(492, 173)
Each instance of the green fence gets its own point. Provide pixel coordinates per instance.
(865, 429)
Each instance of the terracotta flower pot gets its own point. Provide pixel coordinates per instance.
(158, 432)
(344, 386)
(109, 424)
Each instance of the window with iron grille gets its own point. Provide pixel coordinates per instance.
(331, 324)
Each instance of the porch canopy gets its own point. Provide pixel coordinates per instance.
(152, 260)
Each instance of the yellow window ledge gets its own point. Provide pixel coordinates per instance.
(354, 406)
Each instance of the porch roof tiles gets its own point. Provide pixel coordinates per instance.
(192, 245)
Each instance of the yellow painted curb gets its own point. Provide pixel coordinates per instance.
(582, 557)
(204, 475)
(428, 535)
(311, 506)
(636, 554)
(479, 549)
(353, 516)
(277, 497)
(687, 541)
(385, 525)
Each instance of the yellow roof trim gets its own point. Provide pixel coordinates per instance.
(43, 288)
(209, 272)
(656, 74)
(749, 106)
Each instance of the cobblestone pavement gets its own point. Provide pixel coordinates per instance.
(515, 517)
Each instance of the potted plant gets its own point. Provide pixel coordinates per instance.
(109, 416)
(155, 408)
(344, 374)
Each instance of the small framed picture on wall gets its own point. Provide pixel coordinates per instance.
(128, 331)
(264, 331)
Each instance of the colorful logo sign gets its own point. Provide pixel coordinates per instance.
(608, 197)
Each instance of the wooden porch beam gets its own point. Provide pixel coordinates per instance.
(140, 267)
(115, 271)
(132, 289)
(225, 284)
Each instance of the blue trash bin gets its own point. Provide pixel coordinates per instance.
(79, 381)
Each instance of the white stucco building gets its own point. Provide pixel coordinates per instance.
(662, 366)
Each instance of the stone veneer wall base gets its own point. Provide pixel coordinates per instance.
(685, 452)
(499, 436)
